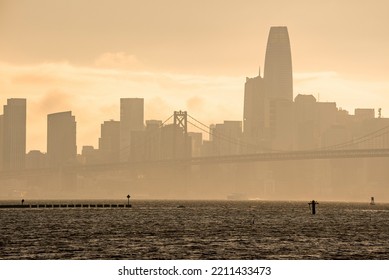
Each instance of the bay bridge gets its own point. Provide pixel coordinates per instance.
(377, 141)
(178, 167)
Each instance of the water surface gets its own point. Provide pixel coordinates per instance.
(198, 230)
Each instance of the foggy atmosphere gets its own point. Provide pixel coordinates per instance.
(161, 109)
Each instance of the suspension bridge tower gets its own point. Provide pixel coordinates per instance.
(181, 123)
(181, 120)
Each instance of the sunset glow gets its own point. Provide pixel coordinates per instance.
(193, 57)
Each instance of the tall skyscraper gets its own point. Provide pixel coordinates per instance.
(61, 139)
(254, 108)
(278, 65)
(268, 100)
(1, 141)
(14, 134)
(131, 119)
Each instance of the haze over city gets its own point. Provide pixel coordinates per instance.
(178, 129)
(179, 55)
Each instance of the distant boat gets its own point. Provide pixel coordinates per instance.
(372, 201)
(237, 196)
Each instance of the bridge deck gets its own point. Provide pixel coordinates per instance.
(272, 156)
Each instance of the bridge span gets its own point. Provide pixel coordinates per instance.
(258, 157)
(272, 156)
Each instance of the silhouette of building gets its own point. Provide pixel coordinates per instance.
(1, 141)
(281, 124)
(109, 141)
(153, 139)
(89, 155)
(197, 141)
(138, 145)
(61, 139)
(364, 114)
(35, 159)
(227, 138)
(146, 144)
(307, 132)
(255, 119)
(14, 134)
(278, 65)
(131, 119)
(268, 101)
(175, 144)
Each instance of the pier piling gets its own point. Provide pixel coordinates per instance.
(312, 206)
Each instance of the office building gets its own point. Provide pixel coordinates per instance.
(364, 114)
(307, 133)
(109, 141)
(175, 143)
(197, 142)
(89, 155)
(227, 138)
(35, 159)
(254, 117)
(278, 65)
(146, 144)
(1, 141)
(268, 101)
(153, 140)
(14, 134)
(61, 139)
(131, 119)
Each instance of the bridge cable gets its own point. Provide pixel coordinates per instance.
(358, 139)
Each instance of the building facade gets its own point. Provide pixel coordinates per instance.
(109, 141)
(131, 119)
(278, 65)
(268, 101)
(61, 139)
(14, 134)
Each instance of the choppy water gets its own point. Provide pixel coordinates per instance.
(199, 230)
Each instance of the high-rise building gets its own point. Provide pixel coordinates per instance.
(146, 144)
(278, 65)
(268, 100)
(255, 119)
(197, 142)
(175, 143)
(131, 119)
(89, 155)
(306, 122)
(153, 141)
(109, 142)
(14, 134)
(227, 138)
(61, 139)
(1, 141)
(35, 159)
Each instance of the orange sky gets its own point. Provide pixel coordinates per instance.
(84, 55)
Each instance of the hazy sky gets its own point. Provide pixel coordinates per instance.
(83, 55)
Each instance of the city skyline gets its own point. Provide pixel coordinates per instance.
(196, 130)
(192, 67)
(272, 121)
